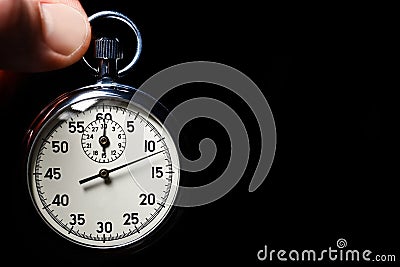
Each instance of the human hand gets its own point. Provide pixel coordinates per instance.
(40, 35)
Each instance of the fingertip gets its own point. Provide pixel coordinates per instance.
(43, 35)
(66, 32)
(65, 27)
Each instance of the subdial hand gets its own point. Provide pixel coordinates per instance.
(104, 140)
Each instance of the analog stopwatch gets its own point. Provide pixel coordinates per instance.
(103, 171)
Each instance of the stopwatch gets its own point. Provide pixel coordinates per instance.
(103, 170)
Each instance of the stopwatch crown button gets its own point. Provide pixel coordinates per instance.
(108, 48)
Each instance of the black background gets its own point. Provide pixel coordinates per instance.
(326, 74)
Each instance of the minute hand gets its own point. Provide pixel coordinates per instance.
(104, 172)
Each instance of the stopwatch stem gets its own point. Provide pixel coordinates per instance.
(108, 52)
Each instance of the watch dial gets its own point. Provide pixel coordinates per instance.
(103, 173)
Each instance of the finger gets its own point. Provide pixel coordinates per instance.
(42, 35)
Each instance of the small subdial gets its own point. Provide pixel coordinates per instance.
(103, 140)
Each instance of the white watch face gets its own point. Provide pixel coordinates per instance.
(103, 173)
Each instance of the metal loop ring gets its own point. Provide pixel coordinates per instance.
(127, 21)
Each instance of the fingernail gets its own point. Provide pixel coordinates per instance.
(65, 29)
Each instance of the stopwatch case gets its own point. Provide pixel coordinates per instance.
(99, 92)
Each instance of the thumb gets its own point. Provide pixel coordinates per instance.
(42, 35)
